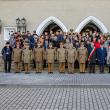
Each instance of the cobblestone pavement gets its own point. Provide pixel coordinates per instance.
(24, 98)
(54, 79)
(54, 91)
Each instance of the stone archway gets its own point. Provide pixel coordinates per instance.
(47, 22)
(95, 21)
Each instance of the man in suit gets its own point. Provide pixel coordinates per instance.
(92, 58)
(101, 56)
(7, 57)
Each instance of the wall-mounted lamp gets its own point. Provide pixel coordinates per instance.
(21, 24)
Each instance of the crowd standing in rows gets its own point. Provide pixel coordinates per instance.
(68, 49)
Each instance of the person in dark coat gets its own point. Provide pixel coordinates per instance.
(92, 59)
(76, 45)
(31, 41)
(88, 46)
(101, 56)
(60, 38)
(7, 57)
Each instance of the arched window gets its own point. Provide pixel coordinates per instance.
(89, 21)
(49, 21)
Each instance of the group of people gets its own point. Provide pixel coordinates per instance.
(68, 49)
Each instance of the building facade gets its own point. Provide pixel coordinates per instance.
(42, 15)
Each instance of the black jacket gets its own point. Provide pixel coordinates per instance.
(4, 53)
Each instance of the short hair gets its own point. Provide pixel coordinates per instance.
(7, 42)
